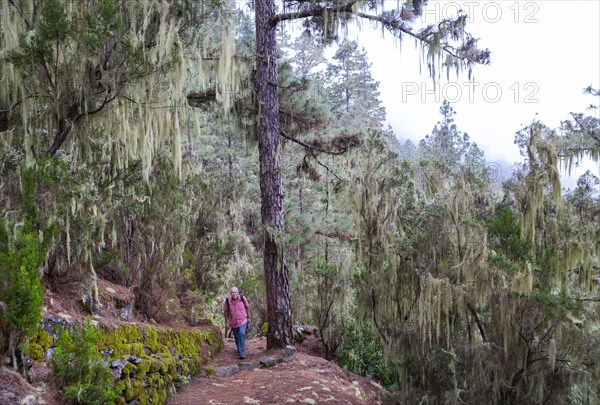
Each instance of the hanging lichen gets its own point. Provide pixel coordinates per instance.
(102, 87)
(435, 304)
(552, 353)
(542, 170)
(523, 282)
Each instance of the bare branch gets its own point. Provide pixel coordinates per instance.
(99, 108)
(588, 299)
(477, 321)
(20, 11)
(197, 99)
(326, 168)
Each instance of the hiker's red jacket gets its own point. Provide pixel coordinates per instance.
(236, 312)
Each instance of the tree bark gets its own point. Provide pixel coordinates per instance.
(64, 127)
(279, 314)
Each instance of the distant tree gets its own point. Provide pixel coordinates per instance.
(353, 93)
(539, 172)
(584, 195)
(447, 144)
(308, 55)
(408, 150)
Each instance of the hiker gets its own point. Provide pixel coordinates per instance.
(237, 317)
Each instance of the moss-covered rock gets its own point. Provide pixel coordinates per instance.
(38, 344)
(35, 352)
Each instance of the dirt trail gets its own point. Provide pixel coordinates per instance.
(307, 379)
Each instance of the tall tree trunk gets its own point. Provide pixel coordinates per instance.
(279, 313)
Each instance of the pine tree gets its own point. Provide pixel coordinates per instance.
(353, 93)
(447, 41)
(447, 144)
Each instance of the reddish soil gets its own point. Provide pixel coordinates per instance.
(15, 390)
(307, 379)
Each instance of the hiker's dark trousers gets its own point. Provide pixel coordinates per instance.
(240, 339)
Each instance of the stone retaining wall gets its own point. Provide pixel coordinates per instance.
(148, 362)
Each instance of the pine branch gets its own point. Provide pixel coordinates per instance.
(199, 98)
(395, 21)
(313, 147)
(65, 124)
(326, 168)
(315, 11)
(592, 133)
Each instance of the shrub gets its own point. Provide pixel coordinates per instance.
(20, 289)
(80, 369)
(362, 353)
(505, 231)
(440, 369)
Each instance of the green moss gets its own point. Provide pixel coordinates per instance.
(129, 370)
(35, 352)
(42, 338)
(168, 379)
(164, 365)
(162, 396)
(181, 381)
(120, 386)
(135, 389)
(155, 365)
(136, 349)
(151, 335)
(153, 395)
(143, 368)
(264, 328)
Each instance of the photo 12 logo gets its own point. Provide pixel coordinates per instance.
(489, 11)
(472, 91)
